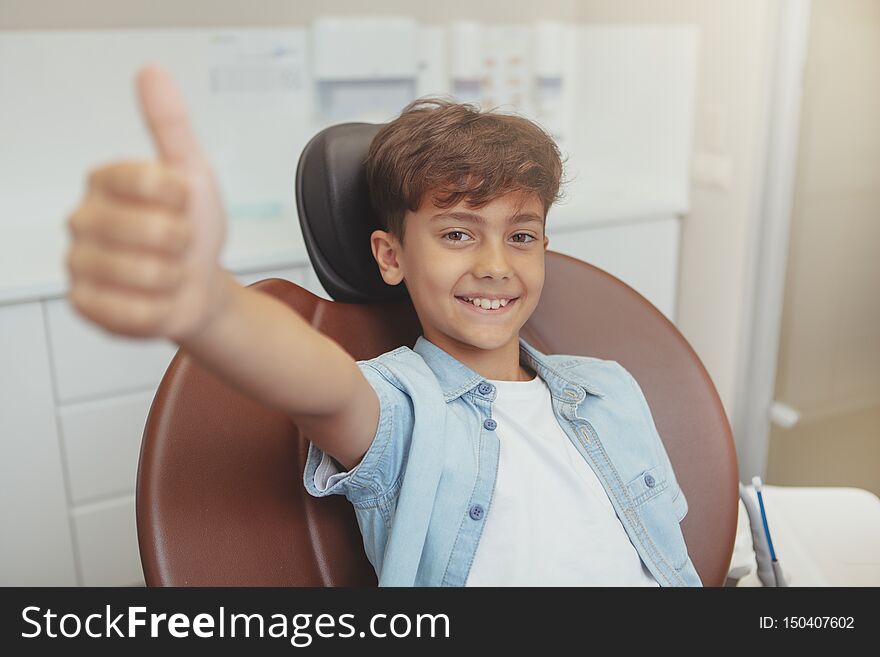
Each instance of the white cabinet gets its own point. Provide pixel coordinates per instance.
(74, 400)
(35, 542)
(102, 440)
(106, 539)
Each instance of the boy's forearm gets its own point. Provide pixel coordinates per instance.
(267, 351)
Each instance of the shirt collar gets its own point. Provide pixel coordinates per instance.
(456, 378)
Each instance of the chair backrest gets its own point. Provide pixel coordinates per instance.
(220, 498)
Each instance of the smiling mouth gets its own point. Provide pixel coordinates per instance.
(488, 311)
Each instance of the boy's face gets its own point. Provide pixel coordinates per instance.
(448, 255)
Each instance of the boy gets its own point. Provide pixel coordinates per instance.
(469, 459)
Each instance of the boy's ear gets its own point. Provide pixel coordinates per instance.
(546, 242)
(385, 247)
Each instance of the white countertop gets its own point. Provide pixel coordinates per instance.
(822, 536)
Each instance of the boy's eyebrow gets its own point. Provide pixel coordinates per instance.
(472, 217)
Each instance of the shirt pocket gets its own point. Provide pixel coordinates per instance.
(652, 499)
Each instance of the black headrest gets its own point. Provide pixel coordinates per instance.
(336, 216)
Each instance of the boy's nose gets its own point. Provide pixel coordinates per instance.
(492, 260)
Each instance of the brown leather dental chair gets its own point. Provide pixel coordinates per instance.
(220, 498)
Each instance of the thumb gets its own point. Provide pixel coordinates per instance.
(164, 111)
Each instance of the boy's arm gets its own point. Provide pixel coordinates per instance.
(144, 262)
(267, 351)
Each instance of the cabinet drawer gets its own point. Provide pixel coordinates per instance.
(102, 441)
(90, 362)
(106, 535)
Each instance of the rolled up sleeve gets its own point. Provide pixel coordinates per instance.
(380, 465)
(679, 502)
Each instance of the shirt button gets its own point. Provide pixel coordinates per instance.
(485, 388)
(476, 512)
(490, 424)
(649, 480)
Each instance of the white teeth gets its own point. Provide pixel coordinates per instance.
(488, 304)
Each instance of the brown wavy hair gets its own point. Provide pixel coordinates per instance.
(456, 152)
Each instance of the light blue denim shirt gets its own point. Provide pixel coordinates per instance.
(423, 490)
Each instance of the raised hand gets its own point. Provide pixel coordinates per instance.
(144, 258)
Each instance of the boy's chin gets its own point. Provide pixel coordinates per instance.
(487, 340)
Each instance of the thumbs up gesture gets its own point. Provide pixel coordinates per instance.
(146, 239)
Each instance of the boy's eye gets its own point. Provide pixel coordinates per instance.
(530, 239)
(456, 232)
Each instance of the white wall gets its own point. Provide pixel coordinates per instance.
(731, 115)
(830, 340)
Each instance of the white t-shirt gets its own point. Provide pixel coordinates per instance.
(550, 522)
